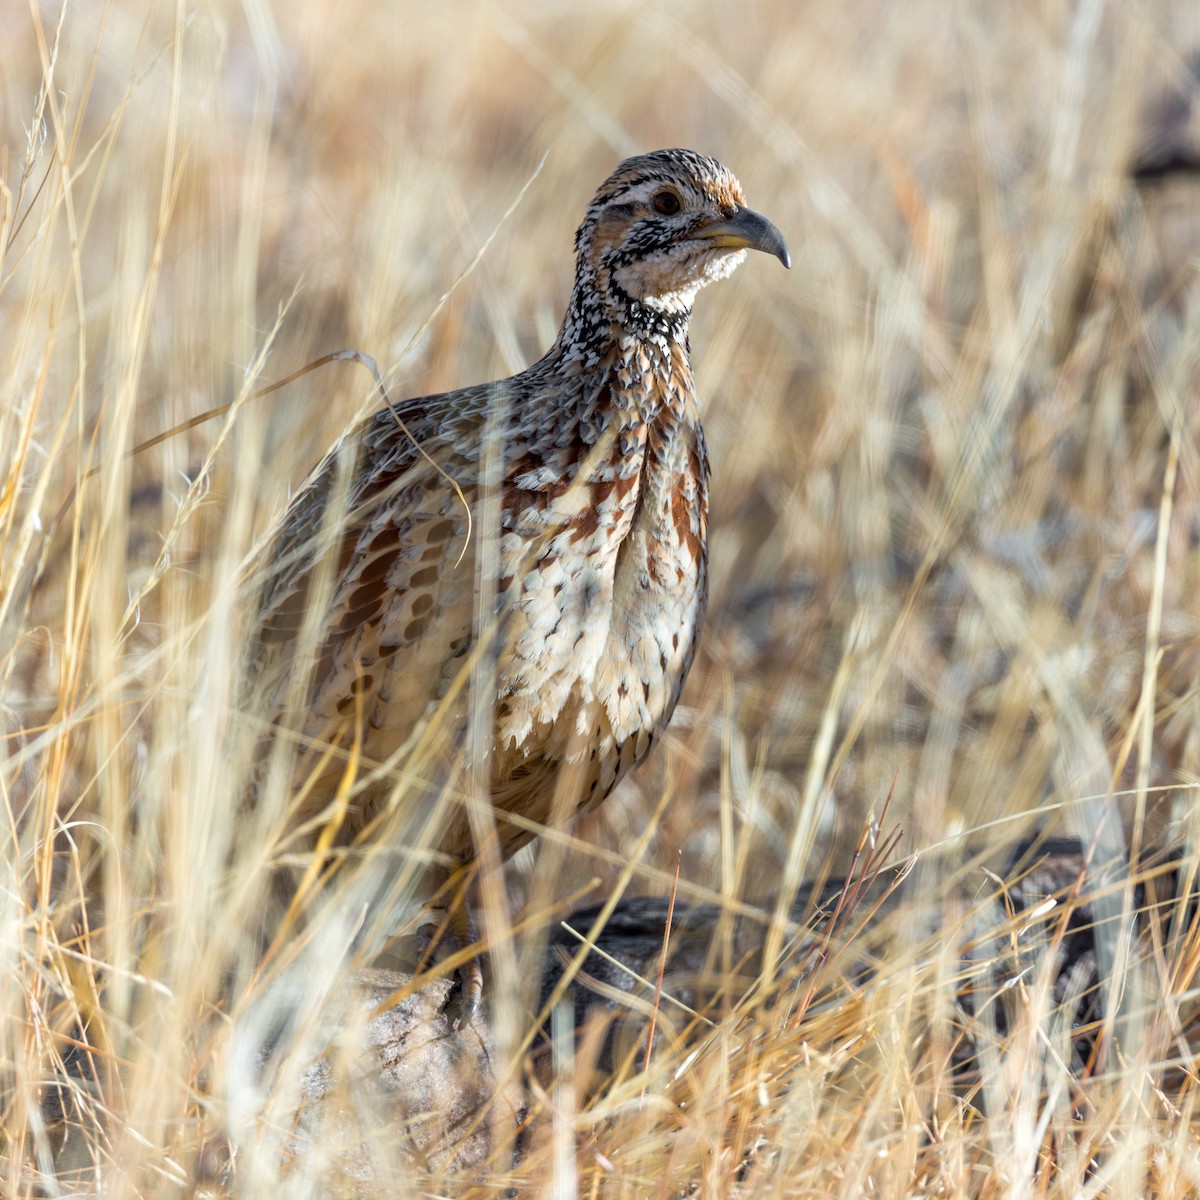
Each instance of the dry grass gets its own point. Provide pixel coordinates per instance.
(955, 538)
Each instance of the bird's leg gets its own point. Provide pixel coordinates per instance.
(471, 972)
(455, 932)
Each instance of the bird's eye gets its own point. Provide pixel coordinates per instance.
(665, 202)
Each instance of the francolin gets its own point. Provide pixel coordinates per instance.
(569, 501)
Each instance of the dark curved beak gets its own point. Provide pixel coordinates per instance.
(747, 230)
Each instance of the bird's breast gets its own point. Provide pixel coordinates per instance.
(605, 579)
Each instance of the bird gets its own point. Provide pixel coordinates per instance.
(569, 501)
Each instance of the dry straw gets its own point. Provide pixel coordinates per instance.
(955, 564)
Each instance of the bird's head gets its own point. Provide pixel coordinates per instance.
(663, 225)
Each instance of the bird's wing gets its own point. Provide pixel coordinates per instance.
(367, 610)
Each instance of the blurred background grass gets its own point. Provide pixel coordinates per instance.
(941, 443)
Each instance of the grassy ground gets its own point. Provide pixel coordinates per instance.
(955, 532)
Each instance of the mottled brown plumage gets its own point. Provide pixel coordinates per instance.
(599, 534)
